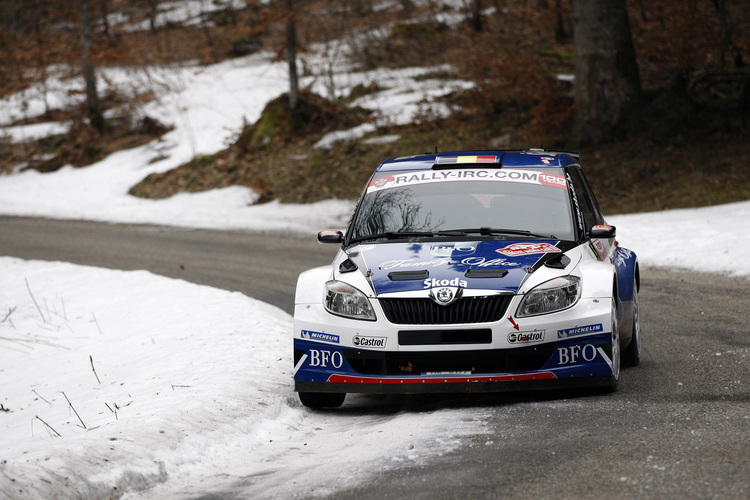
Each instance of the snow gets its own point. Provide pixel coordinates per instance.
(128, 384)
(169, 382)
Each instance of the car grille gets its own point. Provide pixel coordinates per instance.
(423, 311)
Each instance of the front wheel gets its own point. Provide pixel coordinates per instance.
(631, 355)
(615, 350)
(322, 399)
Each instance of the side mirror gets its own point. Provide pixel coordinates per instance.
(331, 237)
(603, 232)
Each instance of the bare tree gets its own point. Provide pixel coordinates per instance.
(152, 12)
(89, 71)
(475, 16)
(727, 35)
(291, 52)
(607, 88)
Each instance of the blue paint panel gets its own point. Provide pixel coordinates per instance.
(322, 360)
(580, 357)
(447, 264)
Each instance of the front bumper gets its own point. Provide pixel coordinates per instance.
(571, 348)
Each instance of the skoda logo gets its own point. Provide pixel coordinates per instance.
(445, 295)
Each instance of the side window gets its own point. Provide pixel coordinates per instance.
(594, 203)
(591, 217)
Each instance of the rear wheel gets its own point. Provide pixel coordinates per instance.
(322, 399)
(631, 355)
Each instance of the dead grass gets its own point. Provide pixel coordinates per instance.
(82, 145)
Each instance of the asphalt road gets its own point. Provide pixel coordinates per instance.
(678, 427)
(259, 265)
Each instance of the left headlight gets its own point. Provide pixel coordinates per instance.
(343, 299)
(551, 296)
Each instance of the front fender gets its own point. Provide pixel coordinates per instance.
(310, 285)
(626, 263)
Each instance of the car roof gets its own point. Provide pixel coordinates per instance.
(487, 159)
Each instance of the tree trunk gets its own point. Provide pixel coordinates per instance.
(607, 85)
(89, 71)
(152, 12)
(104, 5)
(12, 8)
(291, 50)
(475, 17)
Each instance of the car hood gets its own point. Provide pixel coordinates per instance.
(487, 265)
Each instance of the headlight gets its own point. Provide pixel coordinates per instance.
(345, 300)
(553, 295)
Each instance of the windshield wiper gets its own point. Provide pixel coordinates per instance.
(491, 231)
(390, 235)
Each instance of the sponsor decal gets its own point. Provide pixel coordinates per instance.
(623, 255)
(325, 337)
(594, 252)
(579, 330)
(553, 180)
(392, 264)
(493, 175)
(434, 283)
(467, 159)
(526, 337)
(443, 250)
(575, 354)
(579, 216)
(443, 261)
(600, 249)
(527, 249)
(548, 160)
(482, 262)
(426, 374)
(376, 342)
(382, 182)
(513, 322)
(324, 359)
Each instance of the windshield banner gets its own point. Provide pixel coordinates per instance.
(473, 174)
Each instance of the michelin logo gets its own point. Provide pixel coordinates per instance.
(325, 337)
(579, 330)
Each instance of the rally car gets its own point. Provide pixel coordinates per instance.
(468, 272)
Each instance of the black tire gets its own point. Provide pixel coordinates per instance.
(322, 399)
(631, 355)
(615, 349)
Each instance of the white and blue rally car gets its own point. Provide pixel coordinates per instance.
(468, 272)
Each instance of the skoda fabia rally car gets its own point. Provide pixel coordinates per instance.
(468, 272)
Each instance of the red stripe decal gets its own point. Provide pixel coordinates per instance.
(345, 379)
(486, 159)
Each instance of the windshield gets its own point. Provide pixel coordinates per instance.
(528, 200)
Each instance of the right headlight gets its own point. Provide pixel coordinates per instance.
(551, 296)
(343, 299)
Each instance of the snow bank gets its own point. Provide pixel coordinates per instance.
(115, 382)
